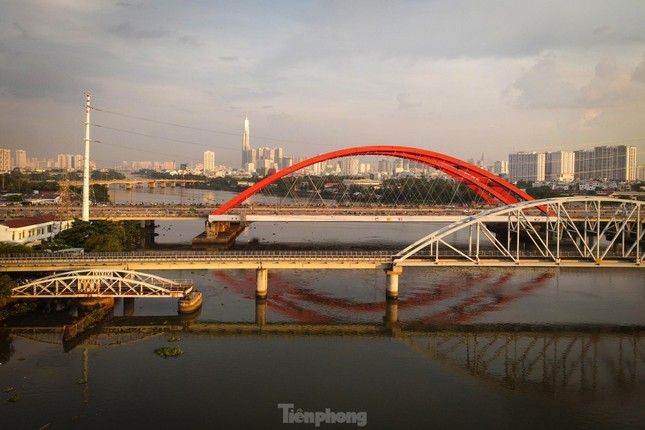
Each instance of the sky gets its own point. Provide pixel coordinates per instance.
(170, 80)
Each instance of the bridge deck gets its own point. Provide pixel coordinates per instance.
(203, 260)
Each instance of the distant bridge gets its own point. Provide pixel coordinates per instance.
(130, 183)
(95, 283)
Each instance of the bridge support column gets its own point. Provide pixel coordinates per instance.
(148, 233)
(261, 283)
(392, 282)
(261, 311)
(218, 233)
(128, 307)
(391, 311)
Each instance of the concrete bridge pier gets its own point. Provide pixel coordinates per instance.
(260, 311)
(128, 307)
(391, 312)
(261, 283)
(392, 282)
(219, 233)
(148, 233)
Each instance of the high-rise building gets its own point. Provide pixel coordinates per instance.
(559, 166)
(21, 158)
(615, 162)
(350, 166)
(385, 166)
(640, 172)
(209, 162)
(78, 162)
(5, 160)
(246, 142)
(65, 161)
(500, 168)
(526, 166)
(584, 165)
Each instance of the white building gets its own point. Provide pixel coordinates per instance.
(32, 230)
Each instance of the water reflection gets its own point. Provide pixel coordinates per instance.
(553, 359)
(454, 298)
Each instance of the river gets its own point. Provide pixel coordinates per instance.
(462, 348)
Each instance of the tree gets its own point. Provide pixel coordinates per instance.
(14, 248)
(6, 284)
(102, 235)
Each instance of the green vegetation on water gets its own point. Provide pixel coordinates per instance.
(167, 351)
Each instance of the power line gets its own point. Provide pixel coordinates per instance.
(228, 133)
(176, 156)
(161, 137)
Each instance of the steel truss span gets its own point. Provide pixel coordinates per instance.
(488, 186)
(103, 283)
(582, 229)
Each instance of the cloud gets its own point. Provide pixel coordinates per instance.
(639, 73)
(406, 101)
(542, 87)
(21, 30)
(601, 30)
(127, 31)
(187, 40)
(231, 58)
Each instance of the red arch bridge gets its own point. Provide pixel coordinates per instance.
(560, 232)
(298, 197)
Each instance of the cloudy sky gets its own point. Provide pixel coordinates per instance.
(459, 77)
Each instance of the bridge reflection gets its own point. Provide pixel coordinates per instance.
(553, 359)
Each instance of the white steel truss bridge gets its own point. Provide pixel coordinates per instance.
(101, 283)
(576, 230)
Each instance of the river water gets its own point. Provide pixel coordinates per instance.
(461, 348)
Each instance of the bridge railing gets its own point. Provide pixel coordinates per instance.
(203, 256)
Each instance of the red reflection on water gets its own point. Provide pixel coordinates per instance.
(480, 294)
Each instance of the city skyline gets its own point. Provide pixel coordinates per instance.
(505, 77)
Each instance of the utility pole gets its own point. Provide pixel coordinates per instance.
(86, 170)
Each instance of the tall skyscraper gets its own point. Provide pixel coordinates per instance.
(209, 162)
(246, 142)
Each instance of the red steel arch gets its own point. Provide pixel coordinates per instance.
(491, 187)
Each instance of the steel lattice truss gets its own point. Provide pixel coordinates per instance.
(103, 283)
(582, 228)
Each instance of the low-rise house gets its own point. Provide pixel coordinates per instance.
(32, 230)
